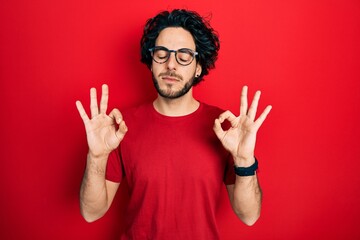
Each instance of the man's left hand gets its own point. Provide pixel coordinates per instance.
(240, 138)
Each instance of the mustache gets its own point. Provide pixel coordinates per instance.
(171, 74)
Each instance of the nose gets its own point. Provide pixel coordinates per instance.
(171, 62)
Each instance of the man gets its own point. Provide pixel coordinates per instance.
(174, 152)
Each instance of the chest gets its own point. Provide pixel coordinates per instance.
(177, 154)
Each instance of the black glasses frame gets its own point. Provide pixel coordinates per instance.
(169, 51)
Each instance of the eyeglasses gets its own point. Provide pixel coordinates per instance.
(183, 56)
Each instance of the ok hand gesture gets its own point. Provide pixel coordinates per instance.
(240, 138)
(104, 132)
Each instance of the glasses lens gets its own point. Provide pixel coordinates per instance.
(160, 55)
(184, 56)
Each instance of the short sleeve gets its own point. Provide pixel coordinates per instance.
(114, 169)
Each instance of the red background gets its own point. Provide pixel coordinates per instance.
(303, 55)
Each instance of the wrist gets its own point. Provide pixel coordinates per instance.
(96, 164)
(244, 162)
(97, 157)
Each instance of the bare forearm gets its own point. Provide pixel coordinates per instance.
(247, 199)
(93, 194)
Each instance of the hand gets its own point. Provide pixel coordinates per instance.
(104, 132)
(240, 138)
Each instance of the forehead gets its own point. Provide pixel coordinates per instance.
(175, 38)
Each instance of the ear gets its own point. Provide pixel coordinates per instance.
(198, 70)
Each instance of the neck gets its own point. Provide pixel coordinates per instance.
(181, 106)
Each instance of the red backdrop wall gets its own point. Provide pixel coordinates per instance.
(303, 55)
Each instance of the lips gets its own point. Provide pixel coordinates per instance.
(170, 78)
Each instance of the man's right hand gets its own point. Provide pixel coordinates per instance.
(104, 132)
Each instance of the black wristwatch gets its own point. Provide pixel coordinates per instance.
(246, 171)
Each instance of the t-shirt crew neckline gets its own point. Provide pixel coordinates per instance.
(176, 118)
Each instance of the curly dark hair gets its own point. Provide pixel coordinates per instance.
(206, 39)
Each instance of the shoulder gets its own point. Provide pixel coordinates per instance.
(211, 109)
(137, 111)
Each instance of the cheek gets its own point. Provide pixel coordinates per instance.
(156, 70)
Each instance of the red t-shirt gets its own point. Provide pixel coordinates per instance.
(175, 168)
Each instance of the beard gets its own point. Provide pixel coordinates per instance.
(169, 93)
